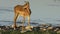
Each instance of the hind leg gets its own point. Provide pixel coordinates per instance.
(23, 28)
(15, 18)
(23, 23)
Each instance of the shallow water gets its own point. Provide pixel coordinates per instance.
(6, 18)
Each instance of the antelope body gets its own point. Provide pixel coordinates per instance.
(24, 11)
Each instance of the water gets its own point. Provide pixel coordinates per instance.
(6, 18)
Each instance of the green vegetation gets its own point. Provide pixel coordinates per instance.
(28, 32)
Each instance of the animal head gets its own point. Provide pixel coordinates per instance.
(26, 5)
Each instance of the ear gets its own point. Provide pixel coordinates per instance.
(26, 1)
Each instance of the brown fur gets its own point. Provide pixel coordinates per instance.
(22, 10)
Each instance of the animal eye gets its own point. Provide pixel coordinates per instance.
(25, 8)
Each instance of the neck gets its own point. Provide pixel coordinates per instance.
(26, 5)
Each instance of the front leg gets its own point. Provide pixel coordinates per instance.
(29, 26)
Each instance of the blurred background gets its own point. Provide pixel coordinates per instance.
(43, 11)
